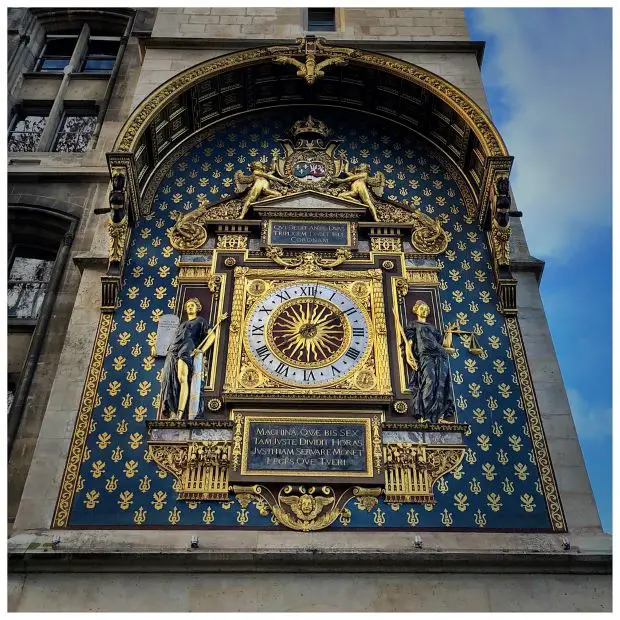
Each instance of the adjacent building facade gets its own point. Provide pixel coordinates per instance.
(275, 335)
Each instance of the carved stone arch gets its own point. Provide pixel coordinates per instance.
(111, 20)
(238, 82)
(178, 112)
(34, 223)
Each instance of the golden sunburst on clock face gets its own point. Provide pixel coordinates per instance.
(309, 332)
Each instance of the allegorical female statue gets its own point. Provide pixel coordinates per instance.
(430, 385)
(192, 336)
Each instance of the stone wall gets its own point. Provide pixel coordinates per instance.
(239, 592)
(287, 23)
(75, 184)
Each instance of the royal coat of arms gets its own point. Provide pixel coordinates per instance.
(309, 160)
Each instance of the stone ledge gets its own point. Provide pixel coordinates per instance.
(78, 174)
(87, 260)
(309, 560)
(253, 551)
(532, 264)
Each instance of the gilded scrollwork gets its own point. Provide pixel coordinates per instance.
(172, 458)
(428, 237)
(117, 232)
(307, 509)
(500, 235)
(366, 498)
(188, 232)
(312, 48)
(307, 263)
(442, 460)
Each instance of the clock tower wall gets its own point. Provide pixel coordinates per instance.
(300, 271)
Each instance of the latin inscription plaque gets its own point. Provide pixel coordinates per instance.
(332, 234)
(301, 447)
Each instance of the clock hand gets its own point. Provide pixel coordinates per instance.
(313, 301)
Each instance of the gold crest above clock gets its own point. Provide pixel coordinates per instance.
(308, 335)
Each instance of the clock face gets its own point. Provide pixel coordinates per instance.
(308, 333)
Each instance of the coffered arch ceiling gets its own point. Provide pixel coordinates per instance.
(250, 81)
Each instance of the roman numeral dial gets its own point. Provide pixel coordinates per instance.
(308, 334)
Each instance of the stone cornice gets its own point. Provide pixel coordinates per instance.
(347, 551)
(308, 560)
(532, 264)
(463, 47)
(78, 174)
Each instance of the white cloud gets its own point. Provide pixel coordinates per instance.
(554, 68)
(591, 422)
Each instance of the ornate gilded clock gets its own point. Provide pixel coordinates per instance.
(293, 332)
(308, 333)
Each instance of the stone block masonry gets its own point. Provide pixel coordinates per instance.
(361, 24)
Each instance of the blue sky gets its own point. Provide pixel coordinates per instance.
(547, 75)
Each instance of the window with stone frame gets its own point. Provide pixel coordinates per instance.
(26, 130)
(321, 19)
(29, 277)
(56, 53)
(101, 54)
(75, 131)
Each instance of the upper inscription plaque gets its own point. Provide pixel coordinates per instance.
(295, 234)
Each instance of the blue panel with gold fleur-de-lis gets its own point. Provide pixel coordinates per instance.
(496, 486)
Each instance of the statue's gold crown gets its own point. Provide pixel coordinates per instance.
(310, 126)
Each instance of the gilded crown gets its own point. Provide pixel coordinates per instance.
(310, 126)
